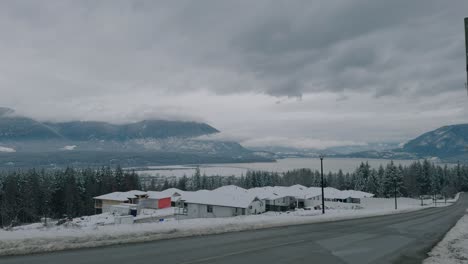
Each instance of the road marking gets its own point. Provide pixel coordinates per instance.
(242, 252)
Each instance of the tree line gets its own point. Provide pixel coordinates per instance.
(26, 196)
(419, 178)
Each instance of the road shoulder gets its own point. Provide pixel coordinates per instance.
(453, 248)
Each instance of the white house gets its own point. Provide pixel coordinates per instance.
(335, 195)
(275, 198)
(209, 204)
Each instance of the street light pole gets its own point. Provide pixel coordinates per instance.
(395, 183)
(323, 193)
(466, 51)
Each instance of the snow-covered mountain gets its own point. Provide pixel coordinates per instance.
(445, 142)
(149, 142)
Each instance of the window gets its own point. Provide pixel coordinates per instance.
(209, 208)
(97, 203)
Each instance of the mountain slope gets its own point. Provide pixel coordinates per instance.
(444, 142)
(22, 128)
(27, 141)
(448, 143)
(13, 127)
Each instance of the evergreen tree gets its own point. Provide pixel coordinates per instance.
(424, 178)
(393, 181)
(340, 180)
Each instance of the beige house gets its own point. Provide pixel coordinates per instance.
(103, 203)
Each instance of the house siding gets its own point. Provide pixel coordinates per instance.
(149, 203)
(106, 205)
(257, 207)
(164, 203)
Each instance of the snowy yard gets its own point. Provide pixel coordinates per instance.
(99, 230)
(453, 249)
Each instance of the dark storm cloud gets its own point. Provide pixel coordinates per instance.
(279, 48)
(386, 47)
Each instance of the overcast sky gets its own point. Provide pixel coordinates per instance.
(312, 73)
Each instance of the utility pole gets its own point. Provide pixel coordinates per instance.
(395, 185)
(466, 51)
(323, 193)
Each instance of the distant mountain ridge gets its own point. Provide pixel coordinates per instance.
(23, 138)
(447, 143)
(444, 142)
(23, 128)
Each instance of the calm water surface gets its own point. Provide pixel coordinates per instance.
(282, 165)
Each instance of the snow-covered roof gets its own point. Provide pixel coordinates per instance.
(266, 193)
(219, 199)
(230, 189)
(115, 196)
(270, 192)
(297, 191)
(298, 187)
(120, 196)
(135, 193)
(172, 191)
(157, 195)
(234, 196)
(357, 194)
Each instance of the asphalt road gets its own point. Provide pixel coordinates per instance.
(402, 238)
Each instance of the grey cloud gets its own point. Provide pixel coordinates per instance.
(278, 48)
(357, 34)
(125, 60)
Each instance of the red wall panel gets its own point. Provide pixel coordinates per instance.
(164, 203)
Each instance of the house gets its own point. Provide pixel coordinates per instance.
(123, 209)
(355, 196)
(117, 202)
(155, 200)
(335, 195)
(275, 198)
(175, 195)
(103, 203)
(209, 204)
(225, 201)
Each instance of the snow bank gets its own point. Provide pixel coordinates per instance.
(97, 230)
(454, 247)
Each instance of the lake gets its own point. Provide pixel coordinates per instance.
(282, 165)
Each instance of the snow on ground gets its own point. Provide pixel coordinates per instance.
(155, 215)
(8, 150)
(453, 249)
(98, 230)
(72, 147)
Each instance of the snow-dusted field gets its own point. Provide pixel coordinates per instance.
(453, 249)
(98, 230)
